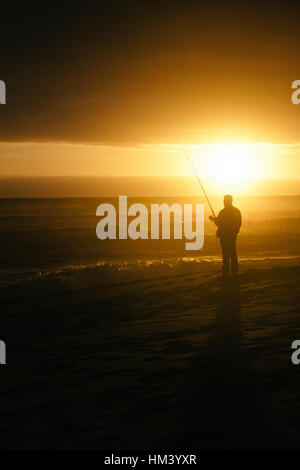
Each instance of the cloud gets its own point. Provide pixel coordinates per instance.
(116, 72)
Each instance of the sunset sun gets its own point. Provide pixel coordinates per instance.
(231, 163)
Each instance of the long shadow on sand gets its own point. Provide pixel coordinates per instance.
(222, 404)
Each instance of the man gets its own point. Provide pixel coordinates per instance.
(228, 222)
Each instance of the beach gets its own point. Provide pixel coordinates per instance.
(123, 353)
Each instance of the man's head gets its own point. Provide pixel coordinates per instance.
(228, 200)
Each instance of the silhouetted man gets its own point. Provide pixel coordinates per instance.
(228, 222)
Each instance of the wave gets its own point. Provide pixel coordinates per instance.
(106, 272)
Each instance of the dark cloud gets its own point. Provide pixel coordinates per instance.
(136, 71)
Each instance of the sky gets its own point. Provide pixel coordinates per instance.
(103, 88)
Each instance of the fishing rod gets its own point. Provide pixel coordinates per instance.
(196, 174)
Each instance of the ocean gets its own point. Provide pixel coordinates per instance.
(56, 237)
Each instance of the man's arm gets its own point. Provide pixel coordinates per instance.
(239, 221)
(216, 220)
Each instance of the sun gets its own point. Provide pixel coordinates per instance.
(230, 163)
(230, 167)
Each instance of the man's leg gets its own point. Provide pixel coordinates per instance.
(226, 256)
(234, 259)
